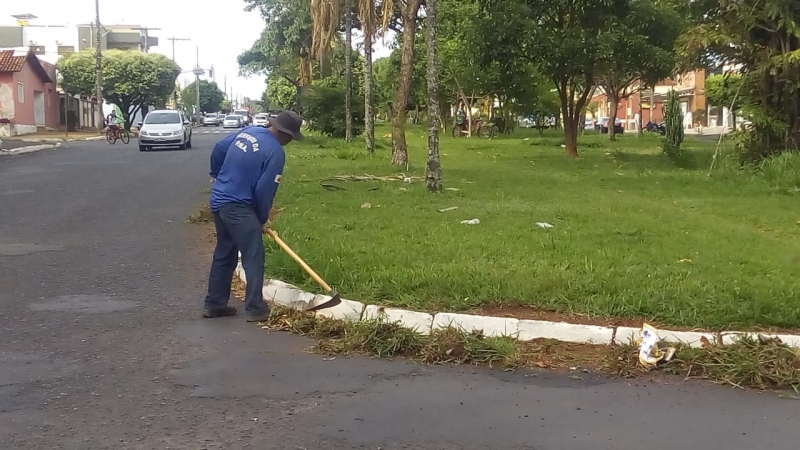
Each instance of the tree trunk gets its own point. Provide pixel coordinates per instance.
(348, 71)
(570, 137)
(433, 173)
(612, 116)
(369, 97)
(399, 147)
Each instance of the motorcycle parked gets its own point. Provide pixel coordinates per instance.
(654, 127)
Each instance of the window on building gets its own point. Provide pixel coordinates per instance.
(20, 93)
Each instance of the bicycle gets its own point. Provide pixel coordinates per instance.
(461, 130)
(120, 133)
(489, 130)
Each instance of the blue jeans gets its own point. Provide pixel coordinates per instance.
(238, 230)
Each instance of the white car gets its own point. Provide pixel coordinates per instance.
(260, 120)
(232, 121)
(211, 119)
(165, 128)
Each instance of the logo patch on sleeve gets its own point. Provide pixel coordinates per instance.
(278, 178)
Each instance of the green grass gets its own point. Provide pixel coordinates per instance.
(635, 235)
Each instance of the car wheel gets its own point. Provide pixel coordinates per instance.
(189, 142)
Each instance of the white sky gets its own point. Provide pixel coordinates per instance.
(221, 29)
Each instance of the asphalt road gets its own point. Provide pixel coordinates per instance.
(103, 347)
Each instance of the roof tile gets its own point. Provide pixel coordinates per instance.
(9, 62)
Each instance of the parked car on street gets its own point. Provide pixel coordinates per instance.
(211, 119)
(232, 121)
(165, 128)
(260, 120)
(602, 125)
(589, 125)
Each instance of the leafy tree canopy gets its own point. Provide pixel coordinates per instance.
(130, 79)
(211, 96)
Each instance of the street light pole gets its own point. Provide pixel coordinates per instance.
(98, 68)
(197, 72)
(175, 91)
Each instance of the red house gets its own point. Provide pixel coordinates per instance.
(691, 91)
(28, 97)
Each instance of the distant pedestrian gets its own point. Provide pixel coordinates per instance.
(247, 169)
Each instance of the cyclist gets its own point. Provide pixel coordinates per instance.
(111, 122)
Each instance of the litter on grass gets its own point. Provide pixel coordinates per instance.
(471, 222)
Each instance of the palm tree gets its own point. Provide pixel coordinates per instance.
(433, 172)
(326, 16)
(369, 22)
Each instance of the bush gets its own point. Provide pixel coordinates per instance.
(782, 171)
(323, 108)
(674, 124)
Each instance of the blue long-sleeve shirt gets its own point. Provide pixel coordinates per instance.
(247, 168)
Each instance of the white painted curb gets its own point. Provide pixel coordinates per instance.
(29, 149)
(525, 330)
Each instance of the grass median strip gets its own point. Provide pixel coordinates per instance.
(633, 236)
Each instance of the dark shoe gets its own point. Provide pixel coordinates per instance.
(220, 312)
(259, 318)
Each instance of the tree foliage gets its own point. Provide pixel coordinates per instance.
(211, 96)
(284, 47)
(723, 90)
(560, 38)
(324, 109)
(637, 51)
(281, 93)
(130, 79)
(762, 38)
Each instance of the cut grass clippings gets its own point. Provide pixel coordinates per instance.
(634, 237)
(764, 364)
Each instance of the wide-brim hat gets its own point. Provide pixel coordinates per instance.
(288, 122)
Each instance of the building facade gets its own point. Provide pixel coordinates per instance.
(691, 91)
(28, 98)
(50, 42)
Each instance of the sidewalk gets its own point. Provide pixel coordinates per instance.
(55, 136)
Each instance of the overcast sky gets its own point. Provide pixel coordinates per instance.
(221, 29)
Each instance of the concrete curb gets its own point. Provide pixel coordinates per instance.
(29, 149)
(525, 330)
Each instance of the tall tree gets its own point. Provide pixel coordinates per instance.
(409, 10)
(369, 20)
(131, 80)
(433, 172)
(638, 50)
(211, 96)
(559, 37)
(284, 48)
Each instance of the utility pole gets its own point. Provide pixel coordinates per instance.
(197, 72)
(98, 68)
(175, 91)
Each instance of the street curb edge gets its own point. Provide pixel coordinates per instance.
(290, 296)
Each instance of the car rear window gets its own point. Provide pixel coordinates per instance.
(231, 117)
(260, 116)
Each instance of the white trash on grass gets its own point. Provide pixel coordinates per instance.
(471, 222)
